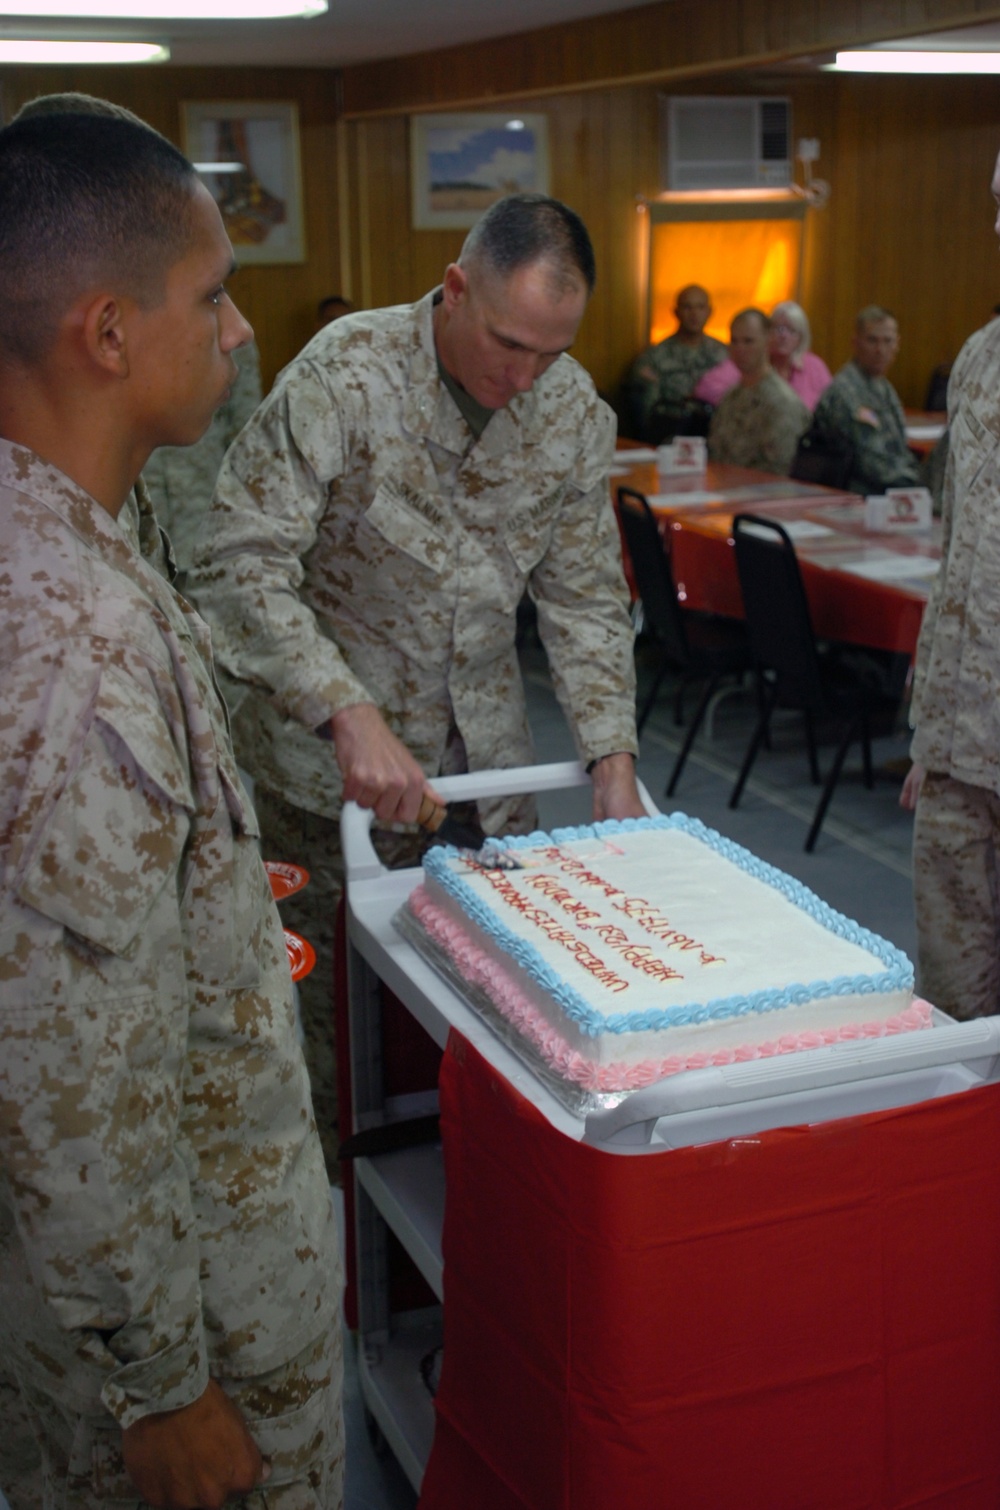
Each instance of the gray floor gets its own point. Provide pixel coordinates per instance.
(861, 866)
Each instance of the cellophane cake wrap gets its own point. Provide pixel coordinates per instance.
(612, 955)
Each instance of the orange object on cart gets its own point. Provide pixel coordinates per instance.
(286, 879)
(301, 955)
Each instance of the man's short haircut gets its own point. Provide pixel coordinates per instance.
(693, 288)
(333, 301)
(522, 229)
(757, 314)
(87, 201)
(871, 315)
(72, 102)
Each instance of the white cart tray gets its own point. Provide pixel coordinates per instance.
(697, 1106)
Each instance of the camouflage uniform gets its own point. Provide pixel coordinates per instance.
(956, 711)
(164, 1214)
(658, 404)
(363, 547)
(866, 412)
(759, 426)
(181, 479)
(139, 525)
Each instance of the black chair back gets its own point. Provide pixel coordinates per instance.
(823, 460)
(777, 612)
(653, 577)
(697, 419)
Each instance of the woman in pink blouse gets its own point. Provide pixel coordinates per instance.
(804, 372)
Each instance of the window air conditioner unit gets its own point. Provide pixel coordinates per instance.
(725, 142)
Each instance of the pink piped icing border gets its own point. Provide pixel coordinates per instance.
(476, 967)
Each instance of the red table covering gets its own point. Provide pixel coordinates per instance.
(806, 1319)
(843, 605)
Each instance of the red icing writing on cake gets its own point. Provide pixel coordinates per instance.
(653, 921)
(643, 913)
(550, 887)
(639, 955)
(579, 871)
(553, 929)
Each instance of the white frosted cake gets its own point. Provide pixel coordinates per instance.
(623, 952)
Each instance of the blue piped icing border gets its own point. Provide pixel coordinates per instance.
(898, 974)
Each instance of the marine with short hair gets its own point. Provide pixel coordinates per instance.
(759, 422)
(412, 472)
(861, 410)
(169, 1278)
(955, 780)
(663, 378)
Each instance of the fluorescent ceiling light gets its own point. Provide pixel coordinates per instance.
(219, 167)
(53, 51)
(169, 10)
(889, 61)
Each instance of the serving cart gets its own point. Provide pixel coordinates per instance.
(772, 1284)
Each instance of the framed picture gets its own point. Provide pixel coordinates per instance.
(247, 153)
(461, 164)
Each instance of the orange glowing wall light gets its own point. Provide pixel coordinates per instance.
(743, 252)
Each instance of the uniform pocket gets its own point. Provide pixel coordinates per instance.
(305, 1443)
(226, 900)
(412, 522)
(528, 530)
(97, 1469)
(117, 832)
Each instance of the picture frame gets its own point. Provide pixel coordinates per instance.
(460, 164)
(261, 203)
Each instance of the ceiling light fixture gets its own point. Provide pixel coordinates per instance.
(887, 60)
(52, 50)
(169, 10)
(219, 167)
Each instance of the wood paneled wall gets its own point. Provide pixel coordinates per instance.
(280, 302)
(671, 38)
(909, 223)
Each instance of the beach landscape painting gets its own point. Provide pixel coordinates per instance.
(461, 164)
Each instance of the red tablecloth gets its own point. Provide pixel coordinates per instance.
(808, 1319)
(844, 605)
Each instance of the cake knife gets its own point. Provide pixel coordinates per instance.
(439, 820)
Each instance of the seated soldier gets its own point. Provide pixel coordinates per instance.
(663, 377)
(758, 423)
(861, 409)
(788, 347)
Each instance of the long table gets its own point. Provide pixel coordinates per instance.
(864, 588)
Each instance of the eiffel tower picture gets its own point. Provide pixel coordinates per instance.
(248, 209)
(248, 154)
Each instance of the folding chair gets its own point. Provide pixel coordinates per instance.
(699, 646)
(792, 671)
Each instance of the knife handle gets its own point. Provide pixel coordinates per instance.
(431, 814)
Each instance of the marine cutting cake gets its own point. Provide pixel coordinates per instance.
(625, 951)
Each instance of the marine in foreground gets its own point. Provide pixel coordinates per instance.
(168, 1269)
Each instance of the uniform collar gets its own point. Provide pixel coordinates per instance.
(24, 472)
(430, 412)
(866, 377)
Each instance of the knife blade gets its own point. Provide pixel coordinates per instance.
(439, 820)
